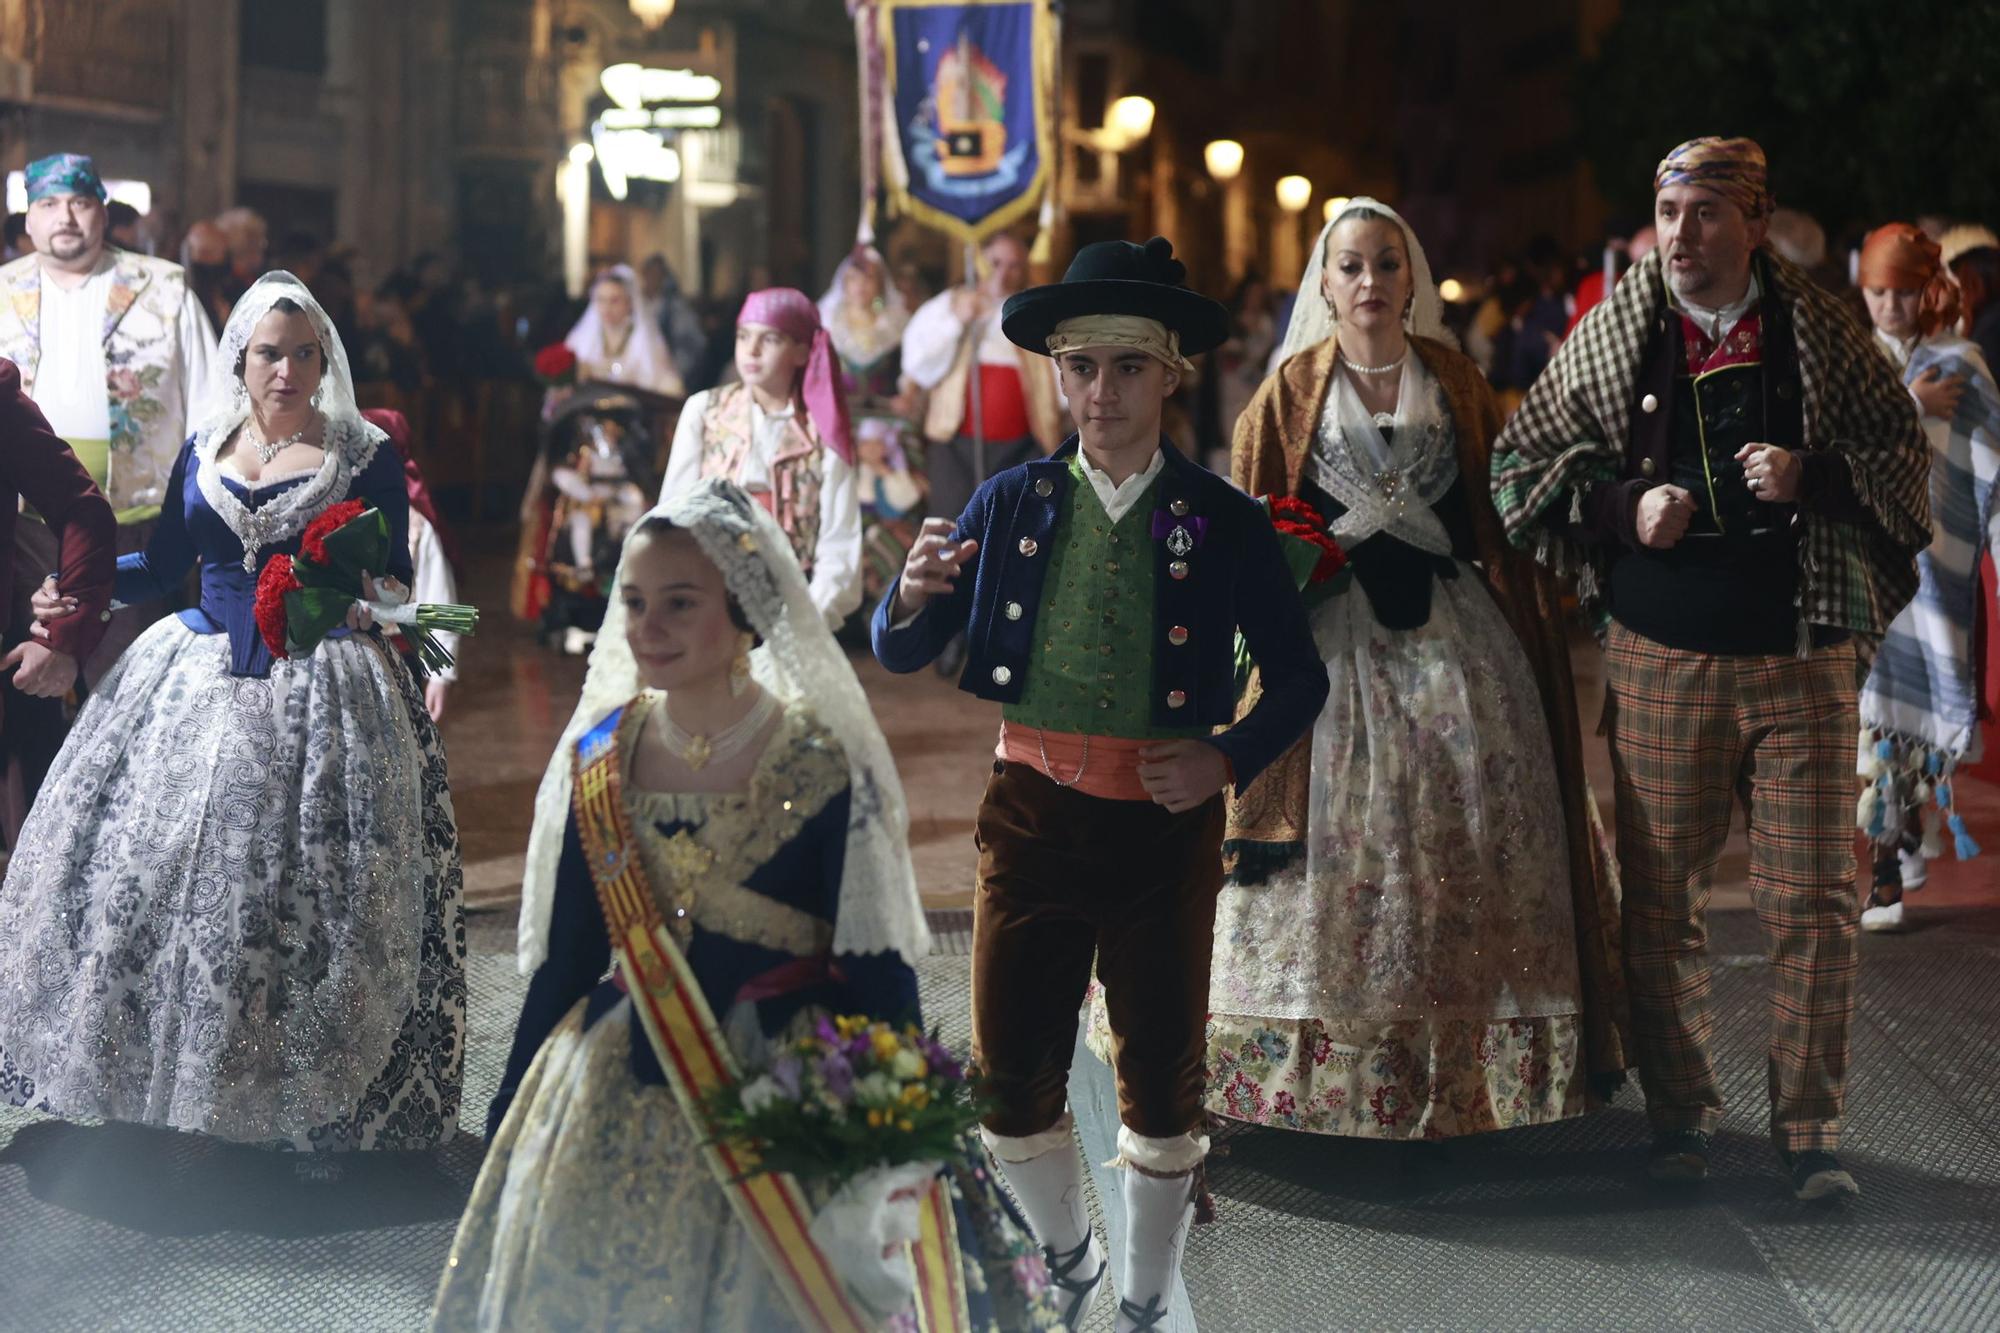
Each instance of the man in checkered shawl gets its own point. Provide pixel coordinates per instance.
(1739, 484)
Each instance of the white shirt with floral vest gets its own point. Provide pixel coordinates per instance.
(780, 461)
(155, 346)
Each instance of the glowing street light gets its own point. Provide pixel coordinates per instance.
(1224, 158)
(653, 13)
(1335, 204)
(1451, 289)
(1131, 119)
(1294, 193)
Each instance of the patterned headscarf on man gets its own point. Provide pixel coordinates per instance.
(1732, 168)
(65, 173)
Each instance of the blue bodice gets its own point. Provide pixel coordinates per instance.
(213, 517)
(762, 875)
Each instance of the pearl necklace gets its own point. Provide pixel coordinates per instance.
(1397, 364)
(699, 751)
(270, 449)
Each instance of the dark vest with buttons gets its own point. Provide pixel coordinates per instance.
(1731, 585)
(1094, 667)
(1191, 674)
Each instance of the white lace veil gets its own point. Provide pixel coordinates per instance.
(798, 662)
(1312, 320)
(229, 403)
(865, 340)
(647, 362)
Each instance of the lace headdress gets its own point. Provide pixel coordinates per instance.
(863, 337)
(798, 662)
(1312, 321)
(229, 401)
(349, 439)
(645, 361)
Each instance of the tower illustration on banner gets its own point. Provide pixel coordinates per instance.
(971, 101)
(964, 90)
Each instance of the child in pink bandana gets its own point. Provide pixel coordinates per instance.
(782, 434)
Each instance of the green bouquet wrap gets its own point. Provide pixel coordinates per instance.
(303, 598)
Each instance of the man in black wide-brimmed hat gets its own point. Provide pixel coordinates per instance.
(1108, 584)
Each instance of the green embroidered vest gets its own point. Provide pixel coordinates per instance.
(1093, 674)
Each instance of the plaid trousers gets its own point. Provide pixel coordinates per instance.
(1689, 733)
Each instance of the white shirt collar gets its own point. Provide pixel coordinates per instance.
(1899, 349)
(1119, 497)
(1717, 321)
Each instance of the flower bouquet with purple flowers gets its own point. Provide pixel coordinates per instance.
(855, 1096)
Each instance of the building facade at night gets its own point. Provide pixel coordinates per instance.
(458, 125)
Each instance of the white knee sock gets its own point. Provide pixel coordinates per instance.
(1158, 1210)
(1045, 1171)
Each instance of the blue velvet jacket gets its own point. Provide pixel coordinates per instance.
(1235, 578)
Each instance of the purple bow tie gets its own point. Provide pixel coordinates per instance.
(1164, 524)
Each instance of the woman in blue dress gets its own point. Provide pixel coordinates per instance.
(236, 904)
(769, 832)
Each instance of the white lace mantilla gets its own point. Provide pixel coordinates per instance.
(350, 445)
(799, 662)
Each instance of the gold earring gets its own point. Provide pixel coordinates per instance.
(739, 669)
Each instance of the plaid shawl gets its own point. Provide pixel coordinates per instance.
(1572, 428)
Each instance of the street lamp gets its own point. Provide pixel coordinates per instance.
(1131, 119)
(1294, 193)
(652, 13)
(1224, 159)
(1335, 204)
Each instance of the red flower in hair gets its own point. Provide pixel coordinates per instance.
(272, 585)
(312, 545)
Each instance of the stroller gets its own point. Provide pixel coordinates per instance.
(598, 454)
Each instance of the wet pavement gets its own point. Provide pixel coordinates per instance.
(1549, 1228)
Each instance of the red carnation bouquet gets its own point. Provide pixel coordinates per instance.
(1319, 566)
(302, 598)
(555, 366)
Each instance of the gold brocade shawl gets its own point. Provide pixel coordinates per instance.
(1273, 438)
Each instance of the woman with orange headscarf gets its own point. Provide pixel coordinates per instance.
(1920, 707)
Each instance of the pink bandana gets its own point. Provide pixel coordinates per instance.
(793, 313)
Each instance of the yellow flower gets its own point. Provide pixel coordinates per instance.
(850, 1026)
(886, 1045)
(875, 1118)
(905, 1126)
(916, 1095)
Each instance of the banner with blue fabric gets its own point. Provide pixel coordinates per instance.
(970, 143)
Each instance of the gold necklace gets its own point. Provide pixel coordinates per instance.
(697, 751)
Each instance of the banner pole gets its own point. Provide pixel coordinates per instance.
(976, 373)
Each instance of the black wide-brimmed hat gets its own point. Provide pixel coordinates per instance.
(1118, 278)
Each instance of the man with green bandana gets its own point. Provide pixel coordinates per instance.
(112, 347)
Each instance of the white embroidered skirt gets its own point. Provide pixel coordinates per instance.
(596, 1210)
(236, 908)
(1414, 973)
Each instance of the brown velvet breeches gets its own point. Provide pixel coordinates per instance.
(1063, 878)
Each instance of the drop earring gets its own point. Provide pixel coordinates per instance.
(739, 668)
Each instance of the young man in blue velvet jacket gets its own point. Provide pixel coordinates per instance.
(1101, 591)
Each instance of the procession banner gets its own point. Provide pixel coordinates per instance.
(970, 141)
